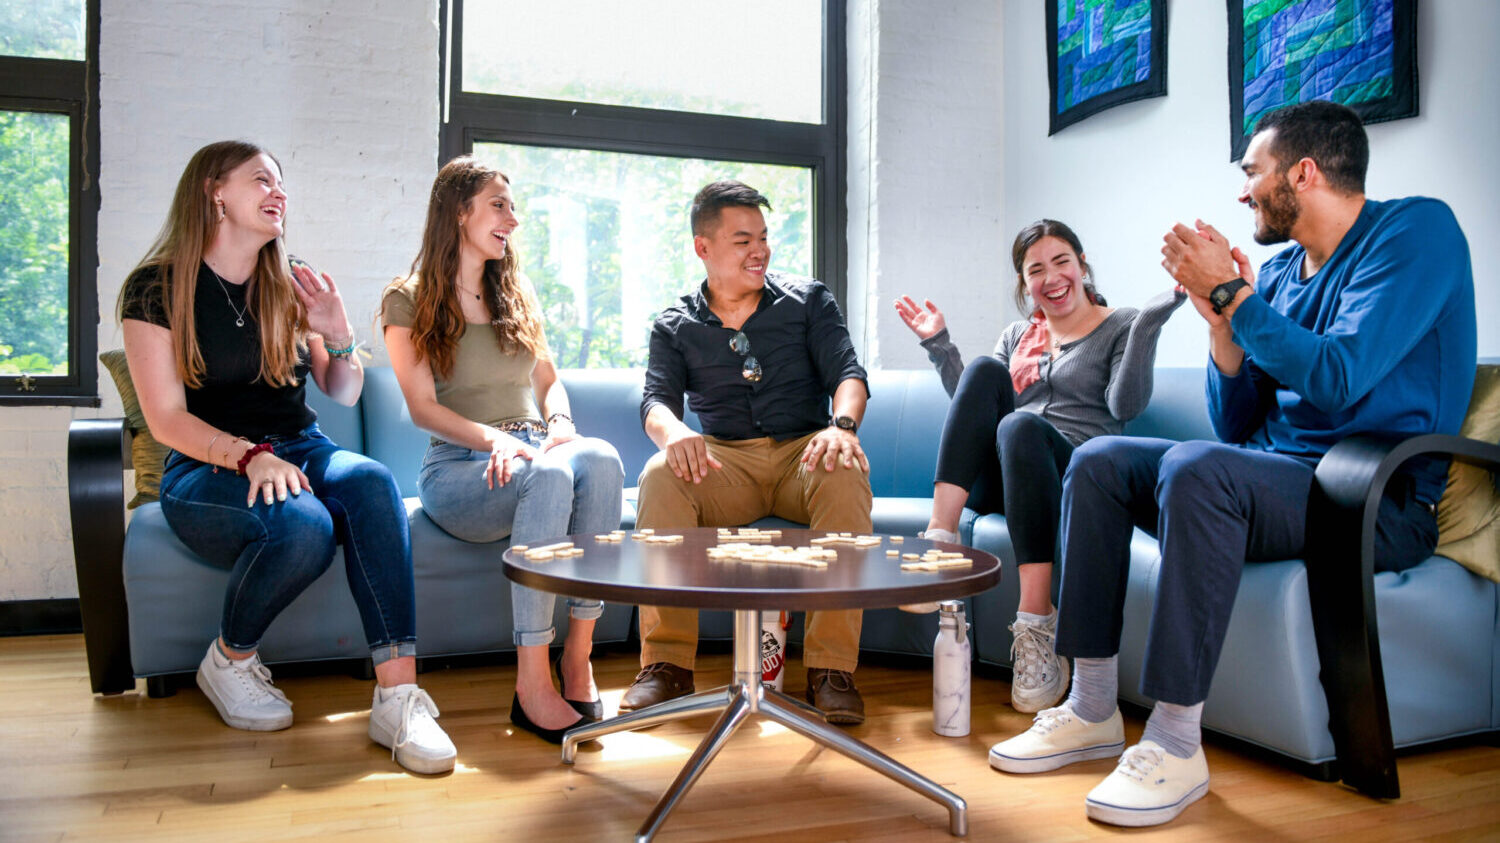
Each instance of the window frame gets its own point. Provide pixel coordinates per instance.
(468, 118)
(70, 87)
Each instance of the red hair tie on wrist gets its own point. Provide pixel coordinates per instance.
(262, 448)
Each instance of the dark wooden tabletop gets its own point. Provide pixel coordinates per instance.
(683, 575)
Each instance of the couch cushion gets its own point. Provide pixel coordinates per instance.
(900, 432)
(146, 454)
(177, 599)
(390, 435)
(1178, 408)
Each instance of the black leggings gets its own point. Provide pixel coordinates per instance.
(1010, 462)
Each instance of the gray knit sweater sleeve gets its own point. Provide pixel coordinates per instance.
(945, 358)
(1130, 376)
(950, 364)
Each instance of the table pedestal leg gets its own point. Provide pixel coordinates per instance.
(746, 696)
(692, 705)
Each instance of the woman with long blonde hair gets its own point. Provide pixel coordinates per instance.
(464, 332)
(221, 334)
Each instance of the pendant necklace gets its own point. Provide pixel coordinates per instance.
(239, 314)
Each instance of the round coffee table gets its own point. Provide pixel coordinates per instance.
(681, 574)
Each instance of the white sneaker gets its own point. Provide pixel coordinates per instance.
(241, 690)
(1059, 737)
(937, 536)
(1150, 787)
(1039, 674)
(405, 722)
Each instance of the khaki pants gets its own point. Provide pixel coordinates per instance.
(760, 477)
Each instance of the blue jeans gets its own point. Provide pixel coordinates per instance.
(573, 488)
(1212, 508)
(275, 552)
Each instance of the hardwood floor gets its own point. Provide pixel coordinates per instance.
(80, 767)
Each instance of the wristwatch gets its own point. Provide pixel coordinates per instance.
(846, 423)
(1221, 296)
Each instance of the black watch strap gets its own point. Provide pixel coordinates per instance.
(846, 423)
(1222, 295)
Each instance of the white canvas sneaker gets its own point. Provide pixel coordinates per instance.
(1040, 675)
(242, 692)
(1150, 787)
(1059, 737)
(405, 722)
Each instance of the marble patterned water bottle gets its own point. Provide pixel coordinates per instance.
(950, 671)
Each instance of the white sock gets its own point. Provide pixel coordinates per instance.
(1048, 620)
(384, 694)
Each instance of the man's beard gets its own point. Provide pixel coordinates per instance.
(1277, 215)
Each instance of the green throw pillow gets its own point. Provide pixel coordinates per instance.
(1469, 513)
(145, 452)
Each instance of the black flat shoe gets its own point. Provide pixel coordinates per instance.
(519, 719)
(592, 710)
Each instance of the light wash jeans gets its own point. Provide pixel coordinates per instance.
(573, 488)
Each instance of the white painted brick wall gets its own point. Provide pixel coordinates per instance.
(343, 92)
(926, 173)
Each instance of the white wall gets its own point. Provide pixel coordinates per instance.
(1121, 178)
(926, 171)
(343, 92)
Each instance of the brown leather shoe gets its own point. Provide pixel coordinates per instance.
(657, 683)
(834, 694)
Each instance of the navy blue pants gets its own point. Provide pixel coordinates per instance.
(1009, 462)
(1212, 508)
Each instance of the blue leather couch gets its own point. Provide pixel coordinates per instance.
(149, 605)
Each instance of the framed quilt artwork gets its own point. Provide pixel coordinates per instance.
(1359, 53)
(1103, 53)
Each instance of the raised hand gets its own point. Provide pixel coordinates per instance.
(325, 307)
(1199, 258)
(925, 321)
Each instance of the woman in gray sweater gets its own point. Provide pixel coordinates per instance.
(1074, 370)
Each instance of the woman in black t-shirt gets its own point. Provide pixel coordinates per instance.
(221, 334)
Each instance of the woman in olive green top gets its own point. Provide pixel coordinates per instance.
(465, 336)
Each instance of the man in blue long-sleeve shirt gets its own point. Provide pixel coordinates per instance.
(1366, 324)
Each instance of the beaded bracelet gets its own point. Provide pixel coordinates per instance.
(555, 416)
(262, 448)
(341, 352)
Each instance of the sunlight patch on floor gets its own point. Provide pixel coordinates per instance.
(345, 715)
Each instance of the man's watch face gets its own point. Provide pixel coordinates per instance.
(845, 423)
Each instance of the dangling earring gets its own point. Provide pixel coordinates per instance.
(220, 205)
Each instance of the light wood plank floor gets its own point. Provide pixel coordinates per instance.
(80, 767)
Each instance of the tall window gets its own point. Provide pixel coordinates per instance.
(608, 118)
(49, 164)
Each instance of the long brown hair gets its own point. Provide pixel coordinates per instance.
(437, 324)
(1027, 238)
(190, 228)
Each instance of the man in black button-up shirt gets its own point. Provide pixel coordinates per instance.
(758, 354)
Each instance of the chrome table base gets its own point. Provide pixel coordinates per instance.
(743, 697)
